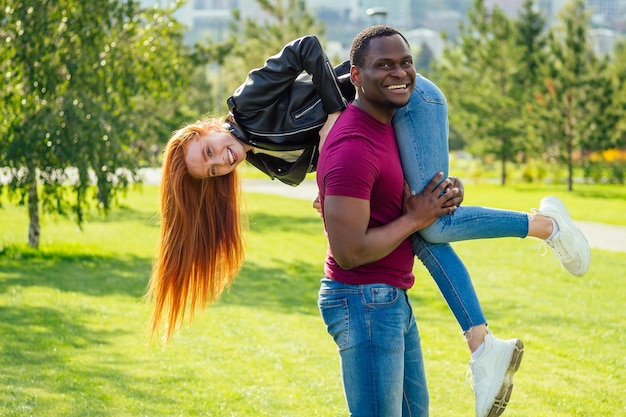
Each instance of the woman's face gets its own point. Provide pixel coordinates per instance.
(213, 155)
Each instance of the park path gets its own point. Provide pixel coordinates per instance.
(599, 235)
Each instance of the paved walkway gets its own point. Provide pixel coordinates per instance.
(600, 236)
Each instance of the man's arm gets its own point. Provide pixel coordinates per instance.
(347, 219)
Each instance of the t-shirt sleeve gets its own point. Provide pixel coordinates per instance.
(351, 171)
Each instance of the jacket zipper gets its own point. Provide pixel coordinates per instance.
(308, 109)
(296, 132)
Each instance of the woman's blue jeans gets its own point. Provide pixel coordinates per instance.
(421, 129)
(379, 346)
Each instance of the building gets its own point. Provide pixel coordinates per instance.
(509, 7)
(211, 17)
(343, 19)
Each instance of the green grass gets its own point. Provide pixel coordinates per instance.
(72, 320)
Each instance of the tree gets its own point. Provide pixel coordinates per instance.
(252, 41)
(479, 74)
(532, 40)
(577, 91)
(424, 58)
(72, 74)
(618, 71)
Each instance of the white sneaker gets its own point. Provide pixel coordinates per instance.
(569, 244)
(492, 374)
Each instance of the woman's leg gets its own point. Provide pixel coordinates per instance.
(453, 280)
(422, 133)
(421, 129)
(494, 361)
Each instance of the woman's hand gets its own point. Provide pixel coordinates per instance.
(330, 121)
(317, 205)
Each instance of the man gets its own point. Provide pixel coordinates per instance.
(369, 215)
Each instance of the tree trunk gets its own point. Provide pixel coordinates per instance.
(34, 226)
(570, 175)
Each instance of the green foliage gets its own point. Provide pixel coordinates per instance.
(72, 73)
(73, 322)
(519, 92)
(617, 71)
(480, 75)
(252, 40)
(573, 101)
(577, 110)
(287, 20)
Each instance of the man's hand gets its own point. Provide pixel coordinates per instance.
(354, 243)
(432, 202)
(456, 199)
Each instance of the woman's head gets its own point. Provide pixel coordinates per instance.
(200, 248)
(209, 150)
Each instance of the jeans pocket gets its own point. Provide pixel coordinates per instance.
(383, 296)
(337, 319)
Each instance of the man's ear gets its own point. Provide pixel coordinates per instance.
(355, 76)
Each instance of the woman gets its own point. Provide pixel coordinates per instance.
(277, 111)
(277, 120)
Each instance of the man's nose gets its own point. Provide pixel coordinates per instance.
(398, 71)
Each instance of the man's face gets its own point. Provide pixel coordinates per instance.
(386, 80)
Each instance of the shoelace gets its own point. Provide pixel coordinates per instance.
(557, 245)
(558, 250)
(543, 251)
(469, 378)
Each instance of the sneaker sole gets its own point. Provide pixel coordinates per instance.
(569, 225)
(504, 395)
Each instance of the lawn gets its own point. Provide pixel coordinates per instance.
(72, 320)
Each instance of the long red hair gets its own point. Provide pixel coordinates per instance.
(200, 248)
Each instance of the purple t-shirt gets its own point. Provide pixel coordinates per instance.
(360, 159)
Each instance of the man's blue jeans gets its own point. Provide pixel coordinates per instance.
(421, 129)
(379, 346)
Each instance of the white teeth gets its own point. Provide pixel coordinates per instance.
(396, 87)
(231, 156)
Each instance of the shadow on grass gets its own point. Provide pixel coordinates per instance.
(291, 288)
(125, 214)
(299, 226)
(46, 328)
(87, 274)
(47, 365)
(288, 286)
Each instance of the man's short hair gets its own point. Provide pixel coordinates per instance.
(361, 42)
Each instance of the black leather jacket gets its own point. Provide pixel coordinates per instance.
(283, 105)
